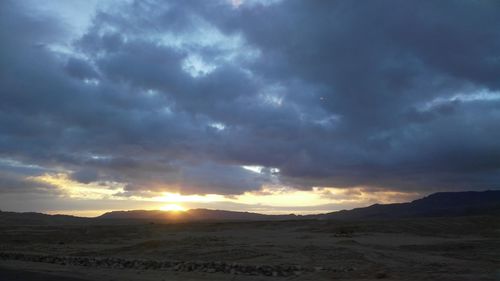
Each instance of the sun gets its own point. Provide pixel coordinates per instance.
(173, 207)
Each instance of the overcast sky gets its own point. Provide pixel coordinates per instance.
(260, 105)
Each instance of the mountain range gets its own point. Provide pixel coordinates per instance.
(442, 204)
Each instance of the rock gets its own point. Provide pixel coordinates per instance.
(180, 266)
(318, 268)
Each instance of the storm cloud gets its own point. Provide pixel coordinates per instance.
(181, 95)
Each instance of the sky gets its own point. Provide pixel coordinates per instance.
(252, 105)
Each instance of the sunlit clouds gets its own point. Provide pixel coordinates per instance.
(271, 199)
(75, 189)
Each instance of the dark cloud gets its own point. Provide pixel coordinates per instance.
(80, 69)
(178, 96)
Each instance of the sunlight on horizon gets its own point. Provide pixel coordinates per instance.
(273, 199)
(177, 197)
(173, 207)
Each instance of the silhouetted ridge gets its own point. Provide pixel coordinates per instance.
(32, 218)
(442, 204)
(193, 215)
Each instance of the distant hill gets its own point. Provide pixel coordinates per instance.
(194, 215)
(441, 204)
(31, 218)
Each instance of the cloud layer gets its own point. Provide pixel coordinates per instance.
(178, 96)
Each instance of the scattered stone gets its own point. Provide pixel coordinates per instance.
(279, 270)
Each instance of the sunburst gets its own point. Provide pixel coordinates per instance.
(173, 207)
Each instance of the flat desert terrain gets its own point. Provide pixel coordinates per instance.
(462, 248)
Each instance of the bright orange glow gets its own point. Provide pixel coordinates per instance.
(173, 207)
(269, 199)
(177, 197)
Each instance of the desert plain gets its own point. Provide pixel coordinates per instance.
(459, 248)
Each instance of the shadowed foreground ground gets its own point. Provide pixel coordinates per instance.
(20, 275)
(432, 249)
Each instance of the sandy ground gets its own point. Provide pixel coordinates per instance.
(418, 249)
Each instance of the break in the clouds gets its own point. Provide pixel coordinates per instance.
(229, 97)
